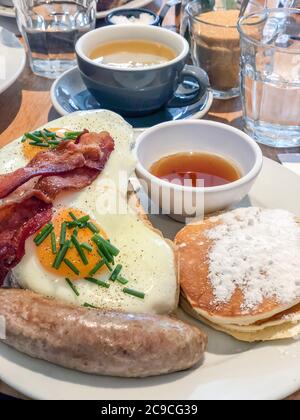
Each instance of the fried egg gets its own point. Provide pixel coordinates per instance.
(147, 259)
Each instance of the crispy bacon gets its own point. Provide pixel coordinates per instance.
(80, 178)
(18, 221)
(71, 166)
(92, 151)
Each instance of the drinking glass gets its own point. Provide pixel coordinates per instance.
(214, 40)
(270, 72)
(51, 30)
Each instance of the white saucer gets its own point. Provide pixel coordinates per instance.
(12, 59)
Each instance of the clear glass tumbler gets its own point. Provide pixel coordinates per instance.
(215, 44)
(51, 30)
(270, 70)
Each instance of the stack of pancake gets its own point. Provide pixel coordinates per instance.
(240, 273)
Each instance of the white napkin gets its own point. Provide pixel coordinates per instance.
(291, 161)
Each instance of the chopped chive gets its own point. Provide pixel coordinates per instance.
(98, 282)
(48, 133)
(67, 138)
(97, 268)
(42, 134)
(122, 280)
(72, 225)
(24, 138)
(73, 133)
(37, 133)
(45, 232)
(104, 252)
(88, 305)
(61, 255)
(111, 248)
(116, 272)
(73, 216)
(75, 232)
(54, 142)
(71, 266)
(32, 137)
(84, 219)
(92, 227)
(79, 250)
(133, 292)
(53, 243)
(104, 259)
(33, 143)
(63, 233)
(72, 287)
(86, 246)
(41, 233)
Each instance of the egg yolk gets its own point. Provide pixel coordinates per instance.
(45, 251)
(30, 151)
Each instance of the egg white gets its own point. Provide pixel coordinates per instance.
(148, 260)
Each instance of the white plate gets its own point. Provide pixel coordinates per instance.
(131, 5)
(12, 59)
(231, 370)
(7, 11)
(10, 11)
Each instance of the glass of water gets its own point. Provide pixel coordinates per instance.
(51, 30)
(270, 71)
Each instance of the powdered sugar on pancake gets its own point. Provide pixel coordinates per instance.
(257, 251)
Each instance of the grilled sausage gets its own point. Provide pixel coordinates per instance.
(98, 342)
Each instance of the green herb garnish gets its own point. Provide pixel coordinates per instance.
(122, 280)
(61, 255)
(70, 283)
(71, 266)
(63, 233)
(93, 228)
(86, 246)
(53, 243)
(97, 267)
(134, 293)
(45, 232)
(116, 272)
(98, 282)
(112, 249)
(33, 143)
(88, 305)
(79, 250)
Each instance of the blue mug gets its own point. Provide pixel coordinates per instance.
(143, 90)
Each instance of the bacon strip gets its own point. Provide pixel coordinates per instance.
(71, 167)
(18, 221)
(92, 152)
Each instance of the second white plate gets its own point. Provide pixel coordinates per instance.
(12, 59)
(10, 11)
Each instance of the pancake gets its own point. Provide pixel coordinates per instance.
(287, 330)
(241, 267)
(291, 315)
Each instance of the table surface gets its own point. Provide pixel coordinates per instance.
(27, 105)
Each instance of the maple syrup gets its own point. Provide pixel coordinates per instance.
(188, 168)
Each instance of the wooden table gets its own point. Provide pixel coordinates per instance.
(27, 105)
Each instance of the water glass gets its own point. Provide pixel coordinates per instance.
(51, 30)
(270, 72)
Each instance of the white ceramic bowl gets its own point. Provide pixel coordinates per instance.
(198, 136)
